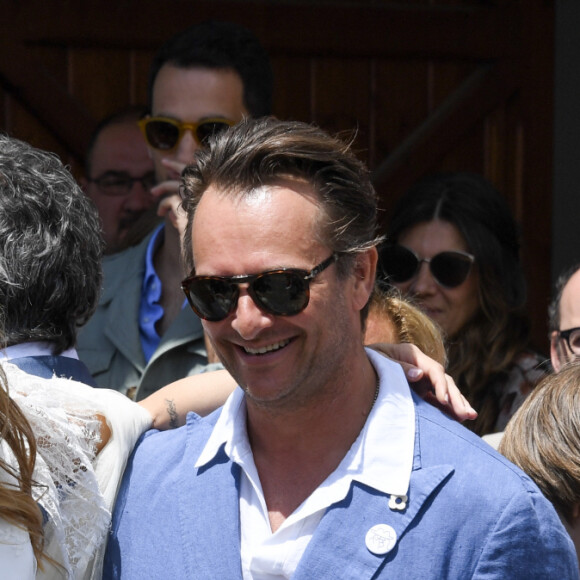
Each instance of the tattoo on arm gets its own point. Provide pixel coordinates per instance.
(172, 413)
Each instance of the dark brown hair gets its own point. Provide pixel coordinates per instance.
(482, 352)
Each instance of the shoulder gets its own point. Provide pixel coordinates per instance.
(497, 506)
(160, 451)
(442, 440)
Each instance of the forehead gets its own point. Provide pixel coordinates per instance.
(272, 226)
(432, 237)
(192, 94)
(121, 147)
(570, 303)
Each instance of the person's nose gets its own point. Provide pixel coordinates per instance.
(424, 284)
(139, 198)
(249, 320)
(186, 148)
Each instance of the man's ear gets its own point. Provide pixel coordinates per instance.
(365, 270)
(555, 351)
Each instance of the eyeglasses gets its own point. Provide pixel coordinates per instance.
(572, 338)
(119, 184)
(165, 133)
(449, 269)
(284, 292)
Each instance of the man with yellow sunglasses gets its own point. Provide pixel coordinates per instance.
(201, 81)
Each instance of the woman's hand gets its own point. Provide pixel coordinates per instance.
(428, 379)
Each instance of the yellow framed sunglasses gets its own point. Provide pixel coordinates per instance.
(164, 133)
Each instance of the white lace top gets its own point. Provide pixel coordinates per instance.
(77, 489)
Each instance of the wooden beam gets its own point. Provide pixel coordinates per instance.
(299, 28)
(35, 88)
(421, 152)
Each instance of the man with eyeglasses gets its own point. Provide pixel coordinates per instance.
(323, 464)
(119, 175)
(201, 82)
(564, 325)
(564, 319)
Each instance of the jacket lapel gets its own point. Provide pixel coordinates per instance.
(338, 549)
(210, 522)
(185, 328)
(125, 337)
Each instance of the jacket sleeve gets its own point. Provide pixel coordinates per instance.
(528, 542)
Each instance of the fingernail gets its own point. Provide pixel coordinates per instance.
(414, 373)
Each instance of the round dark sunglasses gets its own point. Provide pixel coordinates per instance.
(284, 292)
(165, 133)
(449, 269)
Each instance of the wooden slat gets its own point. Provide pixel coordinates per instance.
(484, 89)
(45, 97)
(468, 31)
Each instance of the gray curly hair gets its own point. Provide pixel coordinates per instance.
(50, 249)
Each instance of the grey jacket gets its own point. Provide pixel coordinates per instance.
(110, 346)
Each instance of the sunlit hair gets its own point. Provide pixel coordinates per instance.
(262, 152)
(408, 323)
(485, 348)
(50, 249)
(17, 506)
(554, 316)
(543, 438)
(217, 45)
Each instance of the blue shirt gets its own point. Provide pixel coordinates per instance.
(150, 310)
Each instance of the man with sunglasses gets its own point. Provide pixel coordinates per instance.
(323, 464)
(119, 175)
(564, 317)
(201, 82)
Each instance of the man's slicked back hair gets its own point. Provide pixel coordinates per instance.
(50, 249)
(267, 151)
(221, 45)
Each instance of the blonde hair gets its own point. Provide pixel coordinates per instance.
(17, 506)
(404, 322)
(543, 438)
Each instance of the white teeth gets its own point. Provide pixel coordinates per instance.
(269, 348)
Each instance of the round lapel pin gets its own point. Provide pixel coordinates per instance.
(381, 539)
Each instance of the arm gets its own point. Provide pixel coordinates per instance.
(202, 393)
(428, 379)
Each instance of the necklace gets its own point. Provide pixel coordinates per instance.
(377, 389)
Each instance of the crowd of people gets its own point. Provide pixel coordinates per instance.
(217, 260)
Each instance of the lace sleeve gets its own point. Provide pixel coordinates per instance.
(77, 500)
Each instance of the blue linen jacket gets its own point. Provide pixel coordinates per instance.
(470, 514)
(110, 345)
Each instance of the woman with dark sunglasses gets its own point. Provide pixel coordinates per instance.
(453, 247)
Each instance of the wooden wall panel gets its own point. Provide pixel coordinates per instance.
(401, 103)
(100, 79)
(293, 91)
(343, 107)
(428, 84)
